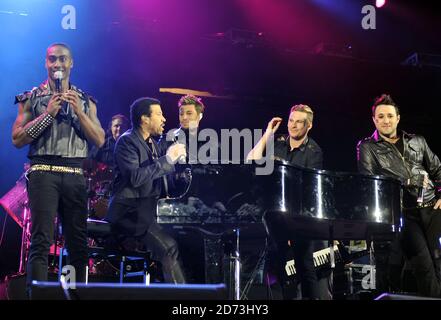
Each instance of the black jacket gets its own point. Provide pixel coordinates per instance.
(137, 169)
(378, 157)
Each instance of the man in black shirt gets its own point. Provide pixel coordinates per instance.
(299, 149)
(191, 111)
(296, 148)
(117, 126)
(408, 158)
(100, 167)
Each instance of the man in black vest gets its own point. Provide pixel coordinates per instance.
(57, 120)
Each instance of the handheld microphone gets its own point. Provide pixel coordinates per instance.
(176, 135)
(58, 77)
(58, 88)
(421, 191)
(173, 137)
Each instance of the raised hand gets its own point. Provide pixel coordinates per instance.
(273, 125)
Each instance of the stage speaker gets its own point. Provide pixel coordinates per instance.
(390, 296)
(128, 291)
(15, 285)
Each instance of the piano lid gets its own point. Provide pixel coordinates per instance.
(235, 193)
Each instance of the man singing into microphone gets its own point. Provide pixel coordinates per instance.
(57, 146)
(141, 168)
(408, 158)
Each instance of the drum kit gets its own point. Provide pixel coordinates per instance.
(15, 203)
(99, 178)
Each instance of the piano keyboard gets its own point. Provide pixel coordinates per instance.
(321, 258)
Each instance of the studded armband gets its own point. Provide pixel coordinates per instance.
(37, 126)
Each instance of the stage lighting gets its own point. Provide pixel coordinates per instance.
(380, 3)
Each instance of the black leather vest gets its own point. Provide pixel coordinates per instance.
(64, 137)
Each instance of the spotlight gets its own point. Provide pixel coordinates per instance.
(380, 3)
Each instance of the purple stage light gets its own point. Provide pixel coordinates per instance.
(380, 3)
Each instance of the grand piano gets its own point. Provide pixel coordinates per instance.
(292, 201)
(226, 203)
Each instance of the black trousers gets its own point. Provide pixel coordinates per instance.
(134, 219)
(51, 193)
(301, 250)
(389, 263)
(420, 241)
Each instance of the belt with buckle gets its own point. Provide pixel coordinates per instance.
(431, 203)
(62, 169)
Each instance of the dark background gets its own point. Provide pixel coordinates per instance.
(127, 49)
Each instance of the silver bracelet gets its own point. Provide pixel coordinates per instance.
(36, 128)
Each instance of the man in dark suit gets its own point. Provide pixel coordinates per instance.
(140, 173)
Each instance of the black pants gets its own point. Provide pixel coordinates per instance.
(389, 263)
(302, 252)
(421, 246)
(135, 219)
(51, 193)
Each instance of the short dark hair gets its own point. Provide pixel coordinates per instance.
(141, 107)
(123, 118)
(387, 100)
(60, 44)
(191, 99)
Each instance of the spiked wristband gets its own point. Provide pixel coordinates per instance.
(36, 128)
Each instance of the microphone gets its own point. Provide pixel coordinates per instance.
(421, 191)
(176, 132)
(176, 135)
(58, 77)
(58, 88)
(173, 138)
